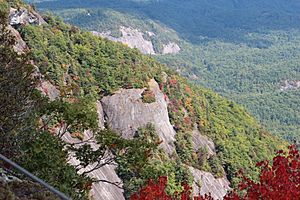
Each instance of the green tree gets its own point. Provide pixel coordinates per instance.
(17, 94)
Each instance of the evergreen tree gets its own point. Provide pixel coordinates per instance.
(17, 84)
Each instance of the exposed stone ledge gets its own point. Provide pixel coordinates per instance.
(205, 182)
(126, 112)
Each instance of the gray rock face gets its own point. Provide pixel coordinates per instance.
(290, 85)
(132, 37)
(23, 17)
(205, 183)
(126, 113)
(100, 190)
(6, 177)
(100, 115)
(171, 48)
(200, 140)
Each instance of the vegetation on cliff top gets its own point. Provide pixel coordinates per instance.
(85, 68)
(92, 66)
(243, 50)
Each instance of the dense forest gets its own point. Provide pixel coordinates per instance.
(86, 68)
(243, 50)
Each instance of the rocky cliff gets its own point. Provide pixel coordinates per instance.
(124, 112)
(76, 65)
(135, 38)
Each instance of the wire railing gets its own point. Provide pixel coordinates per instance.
(33, 177)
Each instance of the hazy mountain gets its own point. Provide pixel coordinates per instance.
(222, 19)
(245, 50)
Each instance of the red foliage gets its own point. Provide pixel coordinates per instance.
(161, 86)
(153, 191)
(173, 82)
(280, 181)
(187, 120)
(156, 191)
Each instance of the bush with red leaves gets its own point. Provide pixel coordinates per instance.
(279, 180)
(156, 191)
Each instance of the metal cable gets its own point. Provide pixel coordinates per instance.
(33, 177)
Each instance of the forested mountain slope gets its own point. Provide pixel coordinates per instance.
(244, 50)
(142, 116)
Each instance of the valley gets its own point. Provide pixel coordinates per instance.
(243, 50)
(130, 100)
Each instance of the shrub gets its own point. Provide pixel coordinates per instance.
(148, 96)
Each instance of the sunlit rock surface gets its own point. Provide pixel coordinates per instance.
(171, 48)
(132, 37)
(205, 183)
(126, 112)
(200, 140)
(23, 16)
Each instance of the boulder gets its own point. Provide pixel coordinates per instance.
(20, 45)
(48, 89)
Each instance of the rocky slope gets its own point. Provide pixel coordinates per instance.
(244, 50)
(124, 113)
(176, 109)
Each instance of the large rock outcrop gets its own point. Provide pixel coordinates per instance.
(132, 37)
(100, 190)
(126, 112)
